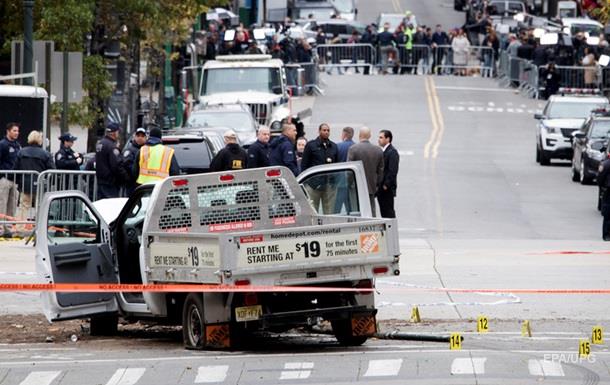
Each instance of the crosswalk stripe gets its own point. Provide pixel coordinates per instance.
(378, 368)
(545, 368)
(126, 376)
(40, 378)
(206, 374)
(294, 370)
(468, 366)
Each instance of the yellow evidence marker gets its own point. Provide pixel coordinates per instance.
(598, 335)
(482, 324)
(455, 341)
(415, 318)
(526, 329)
(584, 348)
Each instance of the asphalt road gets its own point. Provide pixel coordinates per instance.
(475, 212)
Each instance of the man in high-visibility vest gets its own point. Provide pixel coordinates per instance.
(155, 162)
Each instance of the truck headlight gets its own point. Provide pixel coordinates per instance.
(276, 126)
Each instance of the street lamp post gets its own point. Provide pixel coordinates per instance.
(28, 53)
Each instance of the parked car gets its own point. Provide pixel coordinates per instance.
(343, 28)
(562, 115)
(235, 116)
(194, 150)
(589, 146)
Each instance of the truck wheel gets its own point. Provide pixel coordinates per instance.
(105, 325)
(193, 322)
(342, 329)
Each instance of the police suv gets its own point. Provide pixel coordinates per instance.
(562, 115)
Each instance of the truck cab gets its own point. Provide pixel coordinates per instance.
(256, 80)
(215, 220)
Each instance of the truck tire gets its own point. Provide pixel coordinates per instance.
(104, 325)
(342, 329)
(544, 159)
(193, 322)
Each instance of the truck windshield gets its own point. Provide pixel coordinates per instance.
(592, 30)
(239, 121)
(218, 80)
(573, 110)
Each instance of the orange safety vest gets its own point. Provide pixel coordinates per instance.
(155, 162)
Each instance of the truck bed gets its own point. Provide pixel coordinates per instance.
(257, 226)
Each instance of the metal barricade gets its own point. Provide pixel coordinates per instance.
(604, 76)
(503, 69)
(343, 56)
(295, 78)
(62, 180)
(578, 77)
(474, 60)
(417, 60)
(311, 78)
(18, 191)
(529, 80)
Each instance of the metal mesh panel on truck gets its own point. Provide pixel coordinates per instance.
(240, 200)
(177, 214)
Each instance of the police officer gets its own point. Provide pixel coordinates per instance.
(110, 174)
(155, 161)
(129, 157)
(232, 157)
(258, 152)
(66, 158)
(603, 180)
(322, 190)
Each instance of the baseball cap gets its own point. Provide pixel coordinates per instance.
(112, 127)
(67, 137)
(141, 130)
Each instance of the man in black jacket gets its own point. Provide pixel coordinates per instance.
(9, 150)
(603, 180)
(232, 157)
(258, 152)
(129, 157)
(387, 188)
(321, 189)
(110, 174)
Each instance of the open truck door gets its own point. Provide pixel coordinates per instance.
(337, 189)
(73, 246)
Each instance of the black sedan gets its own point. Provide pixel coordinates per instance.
(589, 148)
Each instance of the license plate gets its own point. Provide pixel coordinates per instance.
(248, 313)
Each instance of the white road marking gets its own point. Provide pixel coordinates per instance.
(393, 350)
(126, 376)
(379, 368)
(468, 366)
(296, 370)
(40, 378)
(207, 374)
(545, 368)
(452, 88)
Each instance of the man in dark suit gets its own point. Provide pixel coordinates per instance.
(387, 188)
(372, 160)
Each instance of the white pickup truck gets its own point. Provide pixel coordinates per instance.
(248, 228)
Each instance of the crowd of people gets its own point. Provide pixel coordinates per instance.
(298, 154)
(145, 159)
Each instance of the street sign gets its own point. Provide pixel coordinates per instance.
(75, 76)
